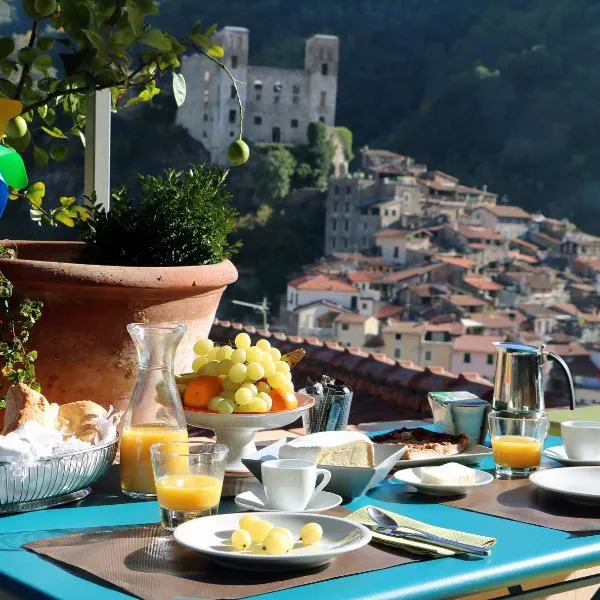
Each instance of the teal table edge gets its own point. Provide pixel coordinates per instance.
(522, 552)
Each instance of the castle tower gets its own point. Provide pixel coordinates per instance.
(321, 61)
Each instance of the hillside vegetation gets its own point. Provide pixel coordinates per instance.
(502, 92)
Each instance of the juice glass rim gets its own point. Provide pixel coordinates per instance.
(219, 451)
(538, 418)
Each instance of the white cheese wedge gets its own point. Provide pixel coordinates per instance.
(335, 448)
(449, 474)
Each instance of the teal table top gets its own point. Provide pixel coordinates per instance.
(523, 552)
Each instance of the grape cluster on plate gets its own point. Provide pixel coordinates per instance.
(258, 534)
(240, 379)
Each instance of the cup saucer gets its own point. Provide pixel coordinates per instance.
(257, 500)
(559, 454)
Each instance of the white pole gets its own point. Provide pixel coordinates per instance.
(97, 147)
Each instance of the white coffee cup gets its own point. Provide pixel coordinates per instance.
(581, 439)
(290, 484)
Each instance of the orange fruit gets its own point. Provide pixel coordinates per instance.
(283, 400)
(199, 391)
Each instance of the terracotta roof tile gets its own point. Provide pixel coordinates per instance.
(481, 283)
(475, 343)
(458, 261)
(351, 318)
(514, 212)
(532, 260)
(397, 276)
(321, 283)
(465, 300)
(472, 232)
(388, 310)
(360, 276)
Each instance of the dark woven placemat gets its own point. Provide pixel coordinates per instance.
(146, 562)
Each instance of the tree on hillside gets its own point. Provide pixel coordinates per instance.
(274, 173)
(345, 137)
(319, 154)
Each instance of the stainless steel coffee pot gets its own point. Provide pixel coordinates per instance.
(518, 385)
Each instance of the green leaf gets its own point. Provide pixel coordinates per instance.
(135, 18)
(28, 55)
(7, 46)
(78, 133)
(45, 43)
(58, 153)
(82, 212)
(43, 111)
(55, 132)
(36, 193)
(211, 30)
(215, 51)
(179, 88)
(67, 201)
(42, 63)
(63, 217)
(7, 89)
(147, 7)
(40, 156)
(156, 39)
(106, 9)
(122, 38)
(95, 39)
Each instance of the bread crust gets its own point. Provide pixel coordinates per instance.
(25, 404)
(81, 420)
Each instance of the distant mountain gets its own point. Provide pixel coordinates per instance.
(504, 93)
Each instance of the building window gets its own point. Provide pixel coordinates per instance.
(385, 212)
(336, 191)
(204, 134)
(393, 212)
(397, 352)
(258, 85)
(333, 243)
(323, 99)
(364, 241)
(276, 99)
(277, 87)
(395, 251)
(232, 92)
(345, 326)
(348, 189)
(490, 359)
(258, 120)
(427, 355)
(324, 69)
(205, 117)
(345, 243)
(295, 100)
(232, 115)
(294, 123)
(276, 135)
(346, 225)
(231, 134)
(467, 358)
(234, 61)
(258, 97)
(365, 226)
(206, 75)
(347, 206)
(295, 89)
(364, 306)
(333, 224)
(398, 336)
(321, 119)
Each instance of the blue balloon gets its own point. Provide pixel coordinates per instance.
(3, 195)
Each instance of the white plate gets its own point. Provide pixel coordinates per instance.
(413, 477)
(257, 500)
(210, 536)
(579, 484)
(472, 455)
(558, 453)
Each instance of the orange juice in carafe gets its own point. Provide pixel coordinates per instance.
(136, 468)
(155, 413)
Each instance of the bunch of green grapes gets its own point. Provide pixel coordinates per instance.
(250, 376)
(272, 540)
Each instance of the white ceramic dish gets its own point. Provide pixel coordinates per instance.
(237, 430)
(210, 536)
(413, 477)
(471, 456)
(257, 500)
(348, 482)
(559, 454)
(578, 484)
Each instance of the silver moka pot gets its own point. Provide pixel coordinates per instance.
(518, 385)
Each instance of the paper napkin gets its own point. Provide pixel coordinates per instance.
(361, 516)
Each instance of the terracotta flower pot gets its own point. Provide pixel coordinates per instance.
(84, 350)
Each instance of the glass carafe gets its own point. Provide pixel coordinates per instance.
(155, 413)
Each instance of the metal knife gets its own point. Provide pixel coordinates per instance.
(435, 540)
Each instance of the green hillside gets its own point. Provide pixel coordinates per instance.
(503, 92)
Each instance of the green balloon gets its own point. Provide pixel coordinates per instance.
(12, 168)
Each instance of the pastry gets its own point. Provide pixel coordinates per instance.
(335, 448)
(81, 420)
(24, 404)
(422, 443)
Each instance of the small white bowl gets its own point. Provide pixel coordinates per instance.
(413, 477)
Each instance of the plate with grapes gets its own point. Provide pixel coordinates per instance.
(212, 536)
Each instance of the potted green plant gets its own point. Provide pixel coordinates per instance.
(162, 258)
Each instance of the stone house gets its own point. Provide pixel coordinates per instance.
(312, 288)
(541, 320)
(352, 329)
(576, 244)
(482, 245)
(279, 103)
(357, 207)
(482, 286)
(475, 353)
(393, 244)
(510, 221)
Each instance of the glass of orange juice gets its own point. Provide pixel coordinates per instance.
(188, 477)
(517, 444)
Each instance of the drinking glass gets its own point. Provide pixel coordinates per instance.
(517, 444)
(189, 478)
